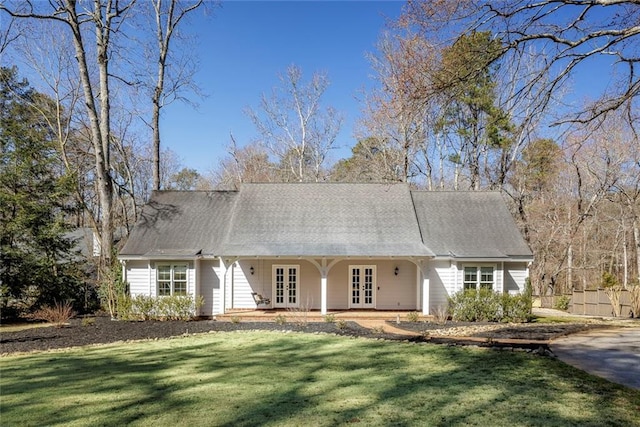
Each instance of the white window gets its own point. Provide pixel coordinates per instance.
(477, 277)
(172, 279)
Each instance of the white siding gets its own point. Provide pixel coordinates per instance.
(515, 276)
(338, 287)
(392, 292)
(209, 286)
(138, 276)
(442, 283)
(239, 295)
(395, 292)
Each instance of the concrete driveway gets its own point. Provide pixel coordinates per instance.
(613, 354)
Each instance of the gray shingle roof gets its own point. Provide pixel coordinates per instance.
(377, 220)
(468, 224)
(182, 223)
(324, 220)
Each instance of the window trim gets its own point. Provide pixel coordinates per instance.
(479, 282)
(172, 280)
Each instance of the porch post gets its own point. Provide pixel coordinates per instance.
(323, 291)
(425, 292)
(223, 286)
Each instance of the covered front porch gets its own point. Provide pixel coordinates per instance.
(320, 286)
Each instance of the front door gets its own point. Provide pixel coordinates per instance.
(362, 286)
(286, 280)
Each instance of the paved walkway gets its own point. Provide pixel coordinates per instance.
(613, 354)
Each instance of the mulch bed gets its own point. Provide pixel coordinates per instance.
(104, 330)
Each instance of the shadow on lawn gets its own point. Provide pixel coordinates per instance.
(246, 379)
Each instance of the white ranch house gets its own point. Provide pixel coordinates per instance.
(325, 247)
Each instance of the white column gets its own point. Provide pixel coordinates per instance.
(196, 289)
(223, 286)
(425, 293)
(323, 291)
(124, 271)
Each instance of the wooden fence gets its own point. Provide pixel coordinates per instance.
(592, 302)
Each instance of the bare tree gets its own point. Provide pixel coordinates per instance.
(249, 163)
(168, 15)
(103, 18)
(397, 114)
(9, 33)
(569, 35)
(295, 128)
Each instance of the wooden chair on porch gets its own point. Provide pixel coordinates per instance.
(259, 299)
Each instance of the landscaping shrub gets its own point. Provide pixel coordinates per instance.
(280, 319)
(413, 316)
(58, 314)
(562, 302)
(330, 318)
(441, 315)
(516, 308)
(634, 294)
(473, 305)
(613, 291)
(143, 307)
(88, 321)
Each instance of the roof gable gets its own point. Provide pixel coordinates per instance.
(327, 219)
(468, 224)
(182, 223)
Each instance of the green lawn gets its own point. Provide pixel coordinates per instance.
(262, 378)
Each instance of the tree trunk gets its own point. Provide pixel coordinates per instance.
(636, 241)
(99, 125)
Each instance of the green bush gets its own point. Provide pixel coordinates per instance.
(516, 308)
(608, 280)
(280, 319)
(330, 318)
(562, 302)
(123, 307)
(143, 307)
(341, 324)
(485, 305)
(413, 316)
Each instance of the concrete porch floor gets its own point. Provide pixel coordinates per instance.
(266, 315)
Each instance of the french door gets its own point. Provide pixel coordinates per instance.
(362, 286)
(286, 284)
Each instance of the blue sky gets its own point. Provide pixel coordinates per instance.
(243, 48)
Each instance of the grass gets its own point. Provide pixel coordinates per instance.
(15, 327)
(261, 378)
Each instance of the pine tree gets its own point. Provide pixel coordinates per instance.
(37, 261)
